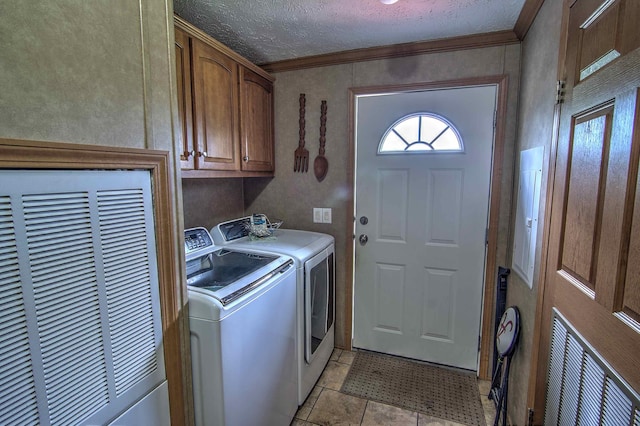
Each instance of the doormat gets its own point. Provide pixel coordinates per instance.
(416, 386)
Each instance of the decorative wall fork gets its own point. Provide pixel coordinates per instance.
(301, 160)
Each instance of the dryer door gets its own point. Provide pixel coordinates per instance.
(319, 290)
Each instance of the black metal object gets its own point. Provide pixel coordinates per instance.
(500, 382)
(501, 304)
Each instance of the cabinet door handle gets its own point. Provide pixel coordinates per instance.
(202, 154)
(245, 158)
(188, 154)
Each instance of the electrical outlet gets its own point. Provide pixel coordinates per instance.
(326, 215)
(317, 215)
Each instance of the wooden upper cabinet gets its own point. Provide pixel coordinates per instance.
(256, 109)
(215, 83)
(183, 81)
(225, 104)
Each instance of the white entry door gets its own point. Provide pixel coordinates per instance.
(420, 252)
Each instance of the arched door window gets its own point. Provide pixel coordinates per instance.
(421, 133)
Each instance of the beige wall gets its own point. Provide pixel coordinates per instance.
(535, 126)
(291, 196)
(208, 202)
(98, 73)
(92, 72)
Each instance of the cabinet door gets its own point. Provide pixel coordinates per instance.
(256, 106)
(215, 82)
(183, 80)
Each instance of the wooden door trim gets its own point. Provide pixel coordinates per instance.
(24, 154)
(501, 81)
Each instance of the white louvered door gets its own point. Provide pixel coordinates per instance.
(80, 330)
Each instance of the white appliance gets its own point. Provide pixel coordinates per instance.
(313, 256)
(242, 316)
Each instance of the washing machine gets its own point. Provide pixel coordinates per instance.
(313, 255)
(242, 319)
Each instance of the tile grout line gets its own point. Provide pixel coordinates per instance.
(363, 412)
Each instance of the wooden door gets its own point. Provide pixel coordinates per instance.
(215, 82)
(420, 253)
(183, 81)
(256, 134)
(593, 260)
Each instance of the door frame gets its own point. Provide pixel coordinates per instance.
(488, 298)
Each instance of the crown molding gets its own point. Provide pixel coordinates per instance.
(197, 33)
(527, 16)
(475, 41)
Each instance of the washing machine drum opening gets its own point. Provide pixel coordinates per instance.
(223, 267)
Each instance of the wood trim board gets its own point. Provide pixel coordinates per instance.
(498, 38)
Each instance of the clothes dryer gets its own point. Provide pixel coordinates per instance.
(313, 255)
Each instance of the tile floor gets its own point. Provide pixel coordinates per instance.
(327, 406)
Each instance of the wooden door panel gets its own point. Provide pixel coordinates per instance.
(183, 82)
(215, 89)
(584, 200)
(256, 106)
(630, 304)
(617, 205)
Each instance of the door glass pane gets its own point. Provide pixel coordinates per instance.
(321, 314)
(421, 133)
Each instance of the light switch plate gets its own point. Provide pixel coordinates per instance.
(317, 215)
(326, 215)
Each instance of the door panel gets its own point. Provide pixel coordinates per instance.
(593, 256)
(389, 297)
(437, 304)
(419, 276)
(183, 83)
(256, 108)
(444, 206)
(585, 195)
(215, 85)
(393, 190)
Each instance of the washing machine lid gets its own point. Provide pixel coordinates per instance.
(226, 274)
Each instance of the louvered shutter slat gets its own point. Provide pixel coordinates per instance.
(16, 373)
(617, 407)
(76, 317)
(130, 324)
(591, 398)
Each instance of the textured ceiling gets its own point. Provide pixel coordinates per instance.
(272, 30)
